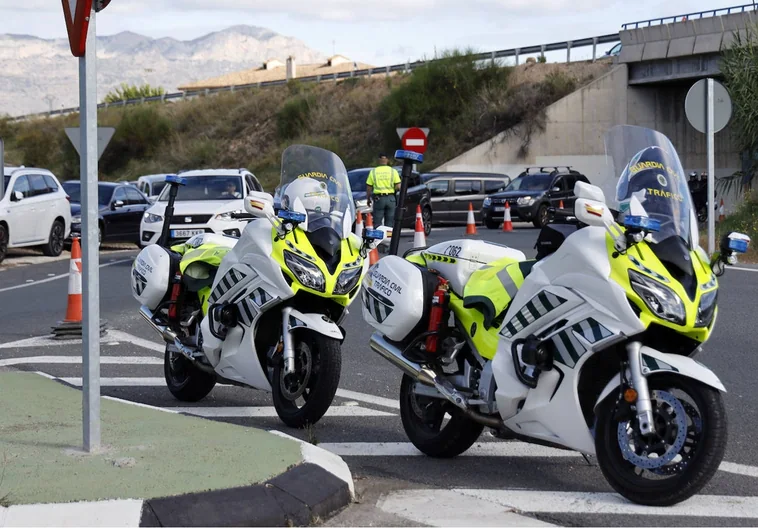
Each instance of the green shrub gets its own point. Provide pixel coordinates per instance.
(542, 59)
(131, 92)
(293, 118)
(142, 131)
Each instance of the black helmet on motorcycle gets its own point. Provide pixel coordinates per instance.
(649, 171)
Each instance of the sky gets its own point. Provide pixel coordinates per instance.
(377, 32)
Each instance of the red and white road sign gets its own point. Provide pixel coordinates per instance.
(77, 13)
(415, 139)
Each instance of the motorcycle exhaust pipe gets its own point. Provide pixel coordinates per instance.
(168, 335)
(382, 346)
(394, 355)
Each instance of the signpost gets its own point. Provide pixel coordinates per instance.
(104, 135)
(415, 143)
(709, 109)
(80, 23)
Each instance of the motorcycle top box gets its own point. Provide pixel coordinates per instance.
(151, 273)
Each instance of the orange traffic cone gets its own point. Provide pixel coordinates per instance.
(560, 204)
(71, 326)
(359, 224)
(419, 236)
(507, 223)
(373, 255)
(721, 212)
(471, 222)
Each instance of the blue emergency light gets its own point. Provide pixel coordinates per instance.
(175, 179)
(373, 234)
(738, 245)
(642, 223)
(402, 154)
(289, 215)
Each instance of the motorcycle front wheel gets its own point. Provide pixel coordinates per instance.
(679, 458)
(303, 397)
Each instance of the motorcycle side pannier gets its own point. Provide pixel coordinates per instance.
(151, 274)
(397, 298)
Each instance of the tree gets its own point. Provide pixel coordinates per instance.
(740, 68)
(131, 92)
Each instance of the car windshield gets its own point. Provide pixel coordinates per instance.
(357, 180)
(158, 187)
(649, 169)
(74, 191)
(207, 188)
(530, 183)
(314, 182)
(6, 180)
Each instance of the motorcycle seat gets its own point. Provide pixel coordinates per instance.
(491, 289)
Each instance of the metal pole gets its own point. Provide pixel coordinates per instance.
(2, 169)
(711, 168)
(400, 210)
(90, 255)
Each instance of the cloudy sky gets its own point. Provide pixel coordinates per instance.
(374, 31)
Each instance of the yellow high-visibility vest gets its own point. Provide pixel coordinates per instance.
(383, 180)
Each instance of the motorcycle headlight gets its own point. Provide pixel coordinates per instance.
(307, 273)
(152, 218)
(487, 202)
(227, 216)
(76, 219)
(706, 309)
(662, 301)
(525, 201)
(347, 280)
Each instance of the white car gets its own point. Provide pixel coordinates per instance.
(205, 204)
(34, 210)
(152, 185)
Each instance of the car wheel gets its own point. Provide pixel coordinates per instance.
(3, 241)
(54, 245)
(491, 224)
(426, 216)
(542, 218)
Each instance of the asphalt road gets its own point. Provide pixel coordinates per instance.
(364, 427)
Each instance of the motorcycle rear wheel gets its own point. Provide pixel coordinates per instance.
(302, 398)
(697, 440)
(423, 420)
(185, 381)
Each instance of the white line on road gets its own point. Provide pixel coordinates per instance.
(74, 360)
(370, 399)
(50, 279)
(255, 412)
(487, 449)
(612, 503)
(743, 269)
(110, 336)
(447, 508)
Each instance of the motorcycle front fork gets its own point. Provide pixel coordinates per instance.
(289, 346)
(639, 382)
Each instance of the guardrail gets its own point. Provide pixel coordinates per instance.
(688, 16)
(366, 72)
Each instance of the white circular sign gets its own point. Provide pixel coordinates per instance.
(696, 106)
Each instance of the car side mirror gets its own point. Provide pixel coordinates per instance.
(17, 196)
(556, 189)
(117, 204)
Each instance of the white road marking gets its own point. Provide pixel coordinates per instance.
(742, 470)
(255, 412)
(74, 360)
(120, 382)
(743, 269)
(612, 503)
(447, 508)
(118, 335)
(56, 277)
(488, 449)
(109, 337)
(370, 399)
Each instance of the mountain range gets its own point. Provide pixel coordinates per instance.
(36, 71)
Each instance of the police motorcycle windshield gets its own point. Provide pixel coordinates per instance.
(648, 168)
(314, 182)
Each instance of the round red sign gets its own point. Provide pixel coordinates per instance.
(415, 139)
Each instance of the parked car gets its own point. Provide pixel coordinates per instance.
(453, 191)
(418, 194)
(205, 204)
(120, 209)
(531, 196)
(152, 185)
(614, 52)
(34, 210)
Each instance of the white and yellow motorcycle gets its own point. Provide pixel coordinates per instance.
(590, 349)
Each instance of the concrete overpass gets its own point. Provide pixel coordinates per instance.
(647, 87)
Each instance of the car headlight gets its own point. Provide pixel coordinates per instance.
(347, 280)
(525, 201)
(227, 216)
(307, 273)
(487, 202)
(706, 309)
(661, 300)
(76, 219)
(152, 218)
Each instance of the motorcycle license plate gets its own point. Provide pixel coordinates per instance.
(186, 233)
(500, 209)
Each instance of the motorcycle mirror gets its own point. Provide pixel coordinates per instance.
(260, 205)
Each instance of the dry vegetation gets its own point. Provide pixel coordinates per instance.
(462, 102)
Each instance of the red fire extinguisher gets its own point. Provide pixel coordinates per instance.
(436, 316)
